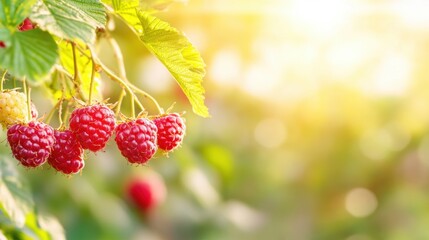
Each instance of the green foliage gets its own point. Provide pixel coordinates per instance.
(175, 51)
(71, 19)
(171, 47)
(16, 201)
(17, 217)
(12, 13)
(33, 54)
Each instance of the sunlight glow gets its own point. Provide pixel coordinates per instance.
(321, 18)
(270, 133)
(392, 76)
(226, 67)
(360, 202)
(154, 75)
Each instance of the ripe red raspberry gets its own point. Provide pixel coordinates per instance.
(67, 154)
(93, 126)
(137, 140)
(26, 25)
(31, 143)
(171, 130)
(2, 45)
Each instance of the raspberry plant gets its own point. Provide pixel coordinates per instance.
(50, 46)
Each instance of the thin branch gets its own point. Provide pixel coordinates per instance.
(91, 84)
(27, 94)
(122, 73)
(2, 80)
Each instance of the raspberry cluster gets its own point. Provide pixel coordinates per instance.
(34, 142)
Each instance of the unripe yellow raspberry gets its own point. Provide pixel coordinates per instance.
(13, 108)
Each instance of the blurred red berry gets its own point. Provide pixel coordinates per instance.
(146, 192)
(26, 25)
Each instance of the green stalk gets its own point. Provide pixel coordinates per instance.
(91, 84)
(2, 80)
(121, 97)
(27, 91)
(119, 59)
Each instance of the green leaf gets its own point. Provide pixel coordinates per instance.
(70, 19)
(128, 11)
(175, 51)
(15, 198)
(30, 54)
(12, 13)
(51, 226)
(43, 227)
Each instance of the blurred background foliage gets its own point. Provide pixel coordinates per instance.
(319, 128)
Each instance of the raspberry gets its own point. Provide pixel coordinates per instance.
(137, 140)
(26, 25)
(93, 126)
(31, 143)
(146, 192)
(67, 154)
(171, 130)
(2, 45)
(13, 108)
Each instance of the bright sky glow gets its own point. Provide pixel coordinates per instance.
(364, 44)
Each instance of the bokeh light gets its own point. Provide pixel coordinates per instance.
(360, 202)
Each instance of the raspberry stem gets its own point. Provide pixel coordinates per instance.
(119, 58)
(120, 81)
(51, 113)
(133, 111)
(121, 97)
(60, 112)
(65, 115)
(146, 95)
(114, 77)
(91, 84)
(27, 92)
(2, 80)
(76, 78)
